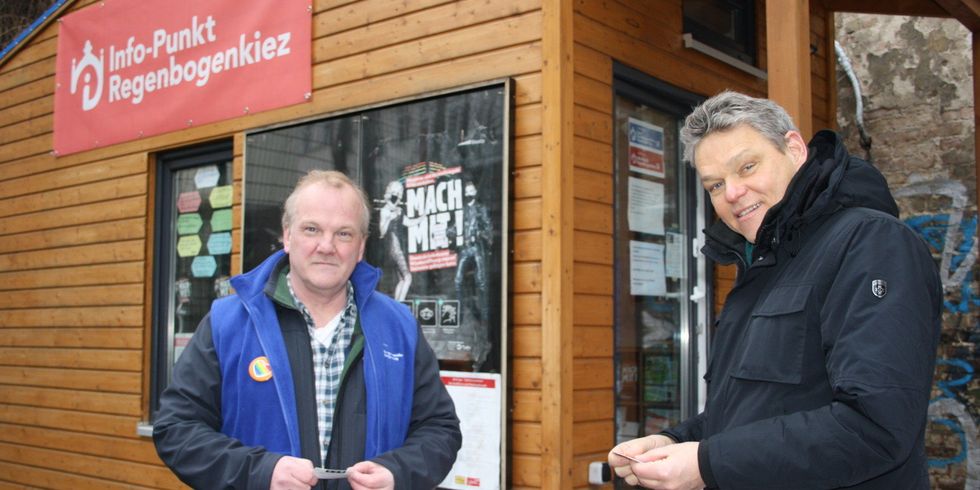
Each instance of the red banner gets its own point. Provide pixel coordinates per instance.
(128, 69)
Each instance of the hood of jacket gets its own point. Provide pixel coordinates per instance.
(829, 180)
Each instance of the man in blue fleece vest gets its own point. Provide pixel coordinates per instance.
(308, 366)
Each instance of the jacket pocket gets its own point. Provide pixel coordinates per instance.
(774, 340)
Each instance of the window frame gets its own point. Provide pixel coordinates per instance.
(167, 165)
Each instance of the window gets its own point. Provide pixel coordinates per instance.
(192, 249)
(726, 25)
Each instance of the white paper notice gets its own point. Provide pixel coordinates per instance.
(675, 255)
(646, 206)
(477, 397)
(647, 269)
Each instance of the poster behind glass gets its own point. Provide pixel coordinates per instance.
(434, 171)
(201, 247)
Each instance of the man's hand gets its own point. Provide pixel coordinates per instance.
(634, 448)
(672, 467)
(293, 473)
(368, 475)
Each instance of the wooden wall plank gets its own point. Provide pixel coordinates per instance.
(593, 373)
(27, 110)
(27, 93)
(114, 273)
(527, 213)
(594, 94)
(527, 341)
(527, 151)
(23, 475)
(439, 48)
(96, 359)
(593, 124)
(527, 373)
(90, 316)
(153, 476)
(511, 61)
(593, 341)
(343, 15)
(593, 155)
(527, 182)
(127, 207)
(118, 188)
(26, 129)
(596, 279)
(593, 216)
(93, 423)
(112, 168)
(121, 448)
(593, 310)
(594, 404)
(526, 438)
(525, 472)
(110, 338)
(526, 277)
(36, 145)
(75, 400)
(526, 405)
(102, 295)
(340, 35)
(593, 247)
(108, 381)
(526, 309)
(594, 186)
(96, 253)
(592, 63)
(527, 245)
(593, 437)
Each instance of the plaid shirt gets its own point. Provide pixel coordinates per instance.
(328, 363)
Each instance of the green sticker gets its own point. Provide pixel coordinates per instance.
(189, 224)
(221, 220)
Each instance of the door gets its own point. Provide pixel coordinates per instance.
(660, 278)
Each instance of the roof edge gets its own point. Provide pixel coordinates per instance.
(22, 38)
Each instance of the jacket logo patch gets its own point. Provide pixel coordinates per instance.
(879, 288)
(393, 356)
(260, 370)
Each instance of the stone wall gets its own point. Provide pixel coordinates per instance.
(915, 76)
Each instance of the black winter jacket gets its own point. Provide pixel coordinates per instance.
(822, 362)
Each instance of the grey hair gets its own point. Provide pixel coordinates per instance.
(330, 178)
(729, 110)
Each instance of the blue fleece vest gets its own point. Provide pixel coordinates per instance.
(263, 413)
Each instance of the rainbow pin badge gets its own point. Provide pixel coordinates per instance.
(259, 369)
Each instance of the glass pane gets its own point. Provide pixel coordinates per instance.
(653, 310)
(199, 248)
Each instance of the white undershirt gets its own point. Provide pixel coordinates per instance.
(324, 334)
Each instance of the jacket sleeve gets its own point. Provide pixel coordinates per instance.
(434, 437)
(688, 430)
(187, 429)
(879, 354)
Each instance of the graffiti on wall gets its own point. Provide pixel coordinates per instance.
(953, 235)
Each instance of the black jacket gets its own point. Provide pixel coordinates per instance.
(822, 362)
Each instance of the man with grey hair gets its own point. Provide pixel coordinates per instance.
(822, 361)
(307, 376)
